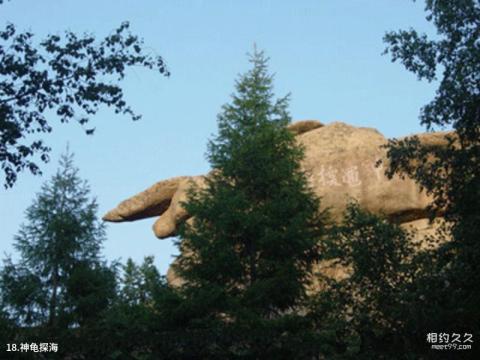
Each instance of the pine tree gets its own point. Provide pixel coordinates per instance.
(131, 328)
(247, 255)
(141, 283)
(60, 279)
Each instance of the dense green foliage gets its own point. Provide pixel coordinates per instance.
(248, 253)
(60, 281)
(450, 173)
(61, 290)
(70, 76)
(398, 291)
(60, 271)
(132, 326)
(257, 232)
(372, 311)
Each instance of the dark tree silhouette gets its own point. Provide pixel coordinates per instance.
(246, 257)
(450, 173)
(69, 75)
(60, 279)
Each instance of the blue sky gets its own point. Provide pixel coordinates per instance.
(326, 53)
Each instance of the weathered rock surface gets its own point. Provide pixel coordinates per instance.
(343, 163)
(302, 126)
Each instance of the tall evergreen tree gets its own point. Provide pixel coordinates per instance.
(140, 283)
(131, 328)
(247, 255)
(60, 279)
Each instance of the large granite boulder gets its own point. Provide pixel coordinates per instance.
(343, 163)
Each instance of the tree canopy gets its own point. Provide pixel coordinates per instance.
(247, 256)
(70, 77)
(60, 279)
(451, 173)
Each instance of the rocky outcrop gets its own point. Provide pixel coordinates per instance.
(303, 126)
(343, 163)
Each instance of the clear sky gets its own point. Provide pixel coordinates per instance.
(327, 53)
